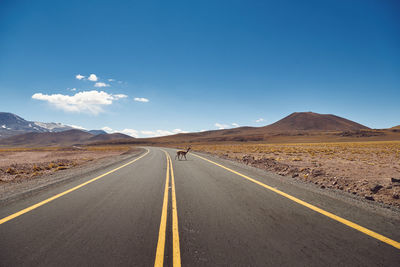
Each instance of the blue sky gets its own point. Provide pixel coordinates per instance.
(200, 64)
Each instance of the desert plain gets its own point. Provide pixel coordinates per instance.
(367, 169)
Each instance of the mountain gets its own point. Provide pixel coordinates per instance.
(54, 126)
(310, 121)
(299, 126)
(96, 132)
(11, 124)
(64, 138)
(109, 137)
(33, 139)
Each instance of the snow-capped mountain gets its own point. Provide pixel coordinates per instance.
(11, 124)
(54, 126)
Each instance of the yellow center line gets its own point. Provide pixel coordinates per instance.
(175, 232)
(163, 224)
(37, 205)
(314, 208)
(176, 252)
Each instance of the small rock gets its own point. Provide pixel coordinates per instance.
(323, 186)
(370, 198)
(295, 175)
(376, 188)
(317, 172)
(354, 192)
(389, 187)
(334, 183)
(396, 196)
(340, 187)
(394, 180)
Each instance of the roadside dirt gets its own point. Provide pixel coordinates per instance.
(24, 170)
(370, 169)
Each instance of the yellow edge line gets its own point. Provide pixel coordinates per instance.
(163, 224)
(37, 205)
(321, 211)
(175, 232)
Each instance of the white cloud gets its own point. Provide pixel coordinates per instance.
(141, 99)
(111, 80)
(80, 77)
(161, 132)
(221, 126)
(93, 78)
(176, 131)
(148, 132)
(130, 132)
(88, 101)
(156, 133)
(235, 124)
(73, 89)
(107, 129)
(260, 120)
(143, 133)
(119, 96)
(100, 84)
(77, 127)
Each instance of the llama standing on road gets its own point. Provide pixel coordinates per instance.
(181, 153)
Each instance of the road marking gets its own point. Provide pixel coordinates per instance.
(163, 224)
(314, 208)
(175, 232)
(176, 252)
(37, 205)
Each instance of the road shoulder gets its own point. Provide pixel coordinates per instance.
(17, 191)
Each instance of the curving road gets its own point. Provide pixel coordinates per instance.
(211, 212)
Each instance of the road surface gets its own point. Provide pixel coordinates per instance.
(152, 211)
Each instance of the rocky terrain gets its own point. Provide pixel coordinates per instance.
(368, 169)
(19, 165)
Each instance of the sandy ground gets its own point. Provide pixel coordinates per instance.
(36, 170)
(367, 169)
(18, 166)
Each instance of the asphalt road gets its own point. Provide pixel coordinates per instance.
(126, 218)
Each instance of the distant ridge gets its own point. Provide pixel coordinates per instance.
(65, 138)
(109, 137)
(310, 121)
(396, 127)
(11, 125)
(300, 124)
(69, 137)
(96, 132)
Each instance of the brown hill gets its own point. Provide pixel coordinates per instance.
(65, 138)
(310, 121)
(47, 139)
(300, 124)
(396, 127)
(109, 137)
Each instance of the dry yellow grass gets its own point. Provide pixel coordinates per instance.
(345, 150)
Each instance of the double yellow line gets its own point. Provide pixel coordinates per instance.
(176, 253)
